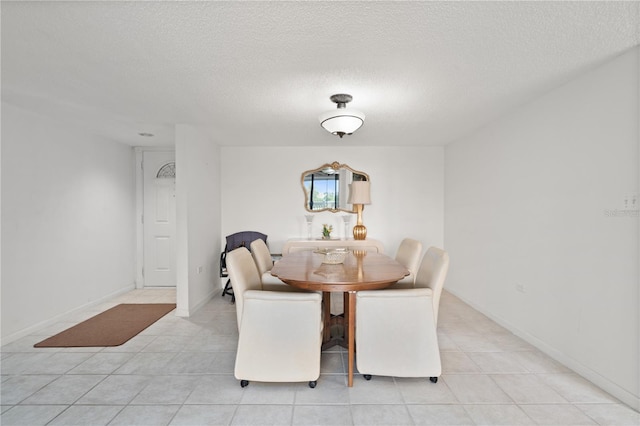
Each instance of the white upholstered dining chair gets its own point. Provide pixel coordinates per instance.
(396, 328)
(264, 263)
(408, 255)
(280, 333)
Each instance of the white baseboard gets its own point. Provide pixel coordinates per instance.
(185, 313)
(594, 377)
(26, 331)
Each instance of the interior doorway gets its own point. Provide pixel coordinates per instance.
(158, 219)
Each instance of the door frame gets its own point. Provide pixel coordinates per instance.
(138, 164)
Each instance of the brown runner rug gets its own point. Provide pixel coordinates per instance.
(110, 328)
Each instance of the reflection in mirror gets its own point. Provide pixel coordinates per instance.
(327, 187)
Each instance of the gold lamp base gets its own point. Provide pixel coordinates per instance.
(359, 232)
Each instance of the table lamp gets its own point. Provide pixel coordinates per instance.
(359, 195)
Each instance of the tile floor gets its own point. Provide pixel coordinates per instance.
(180, 372)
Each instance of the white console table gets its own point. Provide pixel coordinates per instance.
(295, 244)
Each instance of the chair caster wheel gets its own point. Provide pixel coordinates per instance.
(367, 376)
(433, 379)
(312, 384)
(244, 383)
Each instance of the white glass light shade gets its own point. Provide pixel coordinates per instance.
(341, 121)
(359, 192)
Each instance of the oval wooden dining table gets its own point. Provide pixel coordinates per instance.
(360, 271)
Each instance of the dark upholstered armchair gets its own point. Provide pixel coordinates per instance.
(239, 239)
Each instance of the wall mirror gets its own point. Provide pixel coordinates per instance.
(327, 187)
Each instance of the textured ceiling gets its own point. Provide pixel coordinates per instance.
(260, 73)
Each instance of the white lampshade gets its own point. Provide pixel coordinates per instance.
(342, 121)
(359, 192)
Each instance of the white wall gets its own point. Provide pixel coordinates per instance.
(198, 218)
(261, 191)
(68, 233)
(528, 202)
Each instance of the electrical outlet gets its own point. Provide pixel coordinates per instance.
(630, 201)
(521, 288)
(199, 269)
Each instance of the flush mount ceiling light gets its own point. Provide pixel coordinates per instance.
(341, 121)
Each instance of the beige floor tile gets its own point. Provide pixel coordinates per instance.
(147, 363)
(458, 362)
(433, 414)
(577, 389)
(331, 363)
(537, 362)
(216, 389)
(446, 344)
(56, 363)
(476, 389)
(329, 415)
(17, 388)
(65, 390)
(195, 415)
(381, 414)
(527, 389)
(566, 415)
(330, 389)
(145, 415)
(180, 371)
(166, 390)
(611, 414)
(378, 390)
(25, 344)
(82, 415)
(510, 415)
(422, 391)
(115, 390)
(258, 393)
(497, 362)
(30, 415)
(474, 343)
(263, 415)
(102, 363)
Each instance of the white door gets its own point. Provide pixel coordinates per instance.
(159, 219)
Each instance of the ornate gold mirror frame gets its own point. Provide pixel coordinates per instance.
(327, 187)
